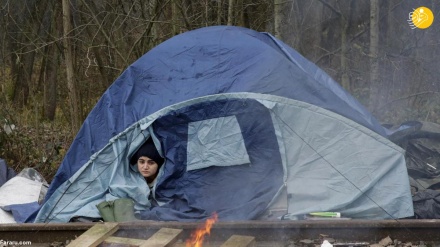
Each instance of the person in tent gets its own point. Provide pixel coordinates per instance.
(148, 161)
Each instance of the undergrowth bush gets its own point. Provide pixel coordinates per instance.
(27, 141)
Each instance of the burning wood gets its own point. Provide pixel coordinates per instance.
(197, 237)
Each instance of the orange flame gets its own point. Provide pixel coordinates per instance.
(197, 237)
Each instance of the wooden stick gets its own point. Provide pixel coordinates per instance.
(239, 241)
(95, 235)
(124, 241)
(162, 238)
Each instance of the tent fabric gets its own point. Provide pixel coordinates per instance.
(21, 212)
(6, 172)
(206, 61)
(225, 104)
(326, 161)
(259, 176)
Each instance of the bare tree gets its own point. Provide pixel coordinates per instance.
(219, 11)
(68, 59)
(23, 44)
(374, 55)
(51, 67)
(231, 12)
(345, 23)
(175, 17)
(277, 16)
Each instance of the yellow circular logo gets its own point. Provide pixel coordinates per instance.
(421, 17)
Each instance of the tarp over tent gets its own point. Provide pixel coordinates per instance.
(238, 115)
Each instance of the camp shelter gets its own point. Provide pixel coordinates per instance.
(240, 117)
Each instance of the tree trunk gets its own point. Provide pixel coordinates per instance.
(21, 79)
(240, 15)
(374, 54)
(50, 85)
(175, 17)
(345, 24)
(24, 55)
(219, 11)
(231, 13)
(51, 69)
(68, 59)
(277, 17)
(154, 5)
(207, 15)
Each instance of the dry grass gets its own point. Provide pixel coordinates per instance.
(27, 141)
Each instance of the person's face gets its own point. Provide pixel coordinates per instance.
(147, 167)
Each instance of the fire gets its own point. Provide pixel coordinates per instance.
(197, 237)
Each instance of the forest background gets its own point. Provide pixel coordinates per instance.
(58, 57)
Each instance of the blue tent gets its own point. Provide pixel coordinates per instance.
(239, 116)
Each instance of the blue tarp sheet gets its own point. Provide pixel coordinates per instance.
(6, 172)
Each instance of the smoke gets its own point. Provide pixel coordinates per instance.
(336, 36)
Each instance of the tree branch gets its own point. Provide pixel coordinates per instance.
(147, 31)
(104, 33)
(331, 8)
(407, 97)
(367, 24)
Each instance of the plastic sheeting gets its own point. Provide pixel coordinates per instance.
(19, 196)
(421, 140)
